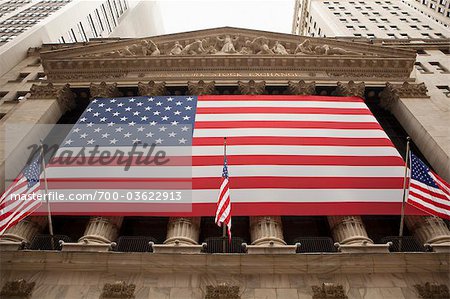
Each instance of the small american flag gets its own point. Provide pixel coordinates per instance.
(223, 212)
(428, 191)
(26, 184)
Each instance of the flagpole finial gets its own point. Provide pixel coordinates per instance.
(408, 138)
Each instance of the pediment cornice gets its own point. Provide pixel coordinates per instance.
(226, 50)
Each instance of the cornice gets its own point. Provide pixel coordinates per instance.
(252, 54)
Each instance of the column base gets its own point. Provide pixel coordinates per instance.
(363, 248)
(88, 247)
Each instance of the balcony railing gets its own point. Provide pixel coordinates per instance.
(403, 244)
(315, 244)
(224, 245)
(47, 242)
(134, 244)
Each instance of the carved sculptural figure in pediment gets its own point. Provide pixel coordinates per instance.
(260, 45)
(279, 49)
(176, 49)
(143, 48)
(194, 48)
(306, 47)
(228, 44)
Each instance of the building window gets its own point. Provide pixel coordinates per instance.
(391, 35)
(421, 68)
(440, 35)
(404, 35)
(20, 77)
(425, 35)
(445, 51)
(20, 96)
(439, 67)
(421, 52)
(445, 90)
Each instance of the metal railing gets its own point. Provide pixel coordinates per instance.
(403, 244)
(315, 244)
(217, 244)
(47, 242)
(134, 244)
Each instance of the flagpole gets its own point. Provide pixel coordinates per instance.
(49, 215)
(402, 218)
(224, 229)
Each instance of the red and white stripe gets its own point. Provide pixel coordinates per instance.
(289, 155)
(223, 211)
(12, 210)
(435, 201)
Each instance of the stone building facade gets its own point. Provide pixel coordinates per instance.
(270, 264)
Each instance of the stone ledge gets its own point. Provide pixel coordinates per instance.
(176, 248)
(134, 262)
(270, 249)
(10, 245)
(363, 248)
(441, 248)
(87, 247)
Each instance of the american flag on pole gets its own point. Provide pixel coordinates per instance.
(223, 212)
(427, 191)
(17, 201)
(291, 155)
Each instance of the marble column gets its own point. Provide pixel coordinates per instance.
(428, 229)
(348, 230)
(266, 230)
(25, 230)
(183, 230)
(186, 230)
(101, 230)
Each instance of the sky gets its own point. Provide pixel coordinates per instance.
(188, 15)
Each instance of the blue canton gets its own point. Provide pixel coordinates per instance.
(32, 172)
(159, 120)
(420, 172)
(225, 168)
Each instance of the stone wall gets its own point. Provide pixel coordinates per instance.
(362, 276)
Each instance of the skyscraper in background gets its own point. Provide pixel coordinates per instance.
(26, 24)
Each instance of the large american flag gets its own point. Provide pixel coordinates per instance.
(289, 155)
(428, 191)
(13, 209)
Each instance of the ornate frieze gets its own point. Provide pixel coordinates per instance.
(302, 88)
(329, 291)
(20, 289)
(201, 87)
(351, 89)
(228, 50)
(393, 92)
(64, 96)
(152, 89)
(222, 291)
(119, 289)
(104, 90)
(252, 87)
(432, 291)
(310, 47)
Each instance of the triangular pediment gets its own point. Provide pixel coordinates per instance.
(222, 41)
(220, 53)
